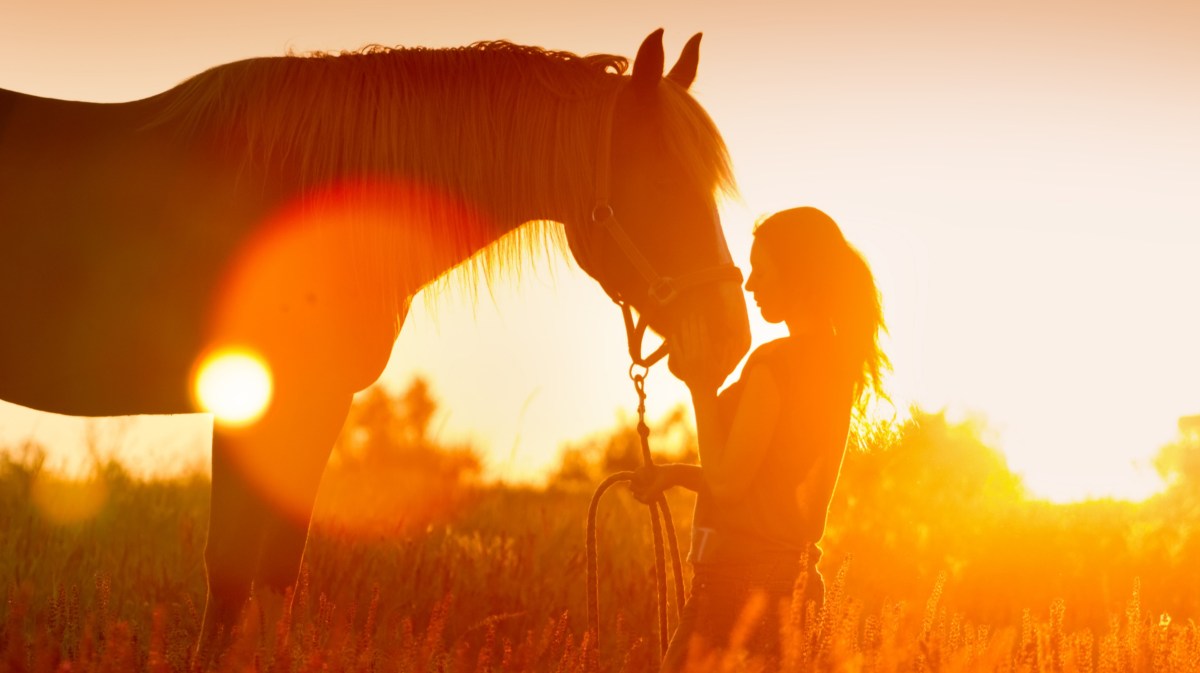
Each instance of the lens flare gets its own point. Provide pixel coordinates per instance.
(234, 386)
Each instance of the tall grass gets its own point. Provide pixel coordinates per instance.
(935, 560)
(500, 588)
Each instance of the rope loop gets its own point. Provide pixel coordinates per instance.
(661, 525)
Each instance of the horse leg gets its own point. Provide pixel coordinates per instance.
(264, 482)
(234, 525)
(285, 530)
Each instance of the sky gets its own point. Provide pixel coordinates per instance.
(1021, 176)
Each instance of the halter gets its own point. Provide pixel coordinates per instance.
(662, 290)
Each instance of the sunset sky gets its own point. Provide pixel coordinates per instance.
(1024, 178)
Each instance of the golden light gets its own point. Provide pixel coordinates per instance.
(234, 386)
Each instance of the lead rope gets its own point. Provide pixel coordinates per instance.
(659, 505)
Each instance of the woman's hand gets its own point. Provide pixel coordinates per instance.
(691, 356)
(649, 481)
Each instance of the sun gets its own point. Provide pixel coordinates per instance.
(234, 385)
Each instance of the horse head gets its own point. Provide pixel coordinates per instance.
(654, 240)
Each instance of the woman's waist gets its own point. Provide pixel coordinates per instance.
(775, 576)
(728, 545)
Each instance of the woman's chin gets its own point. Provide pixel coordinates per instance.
(771, 316)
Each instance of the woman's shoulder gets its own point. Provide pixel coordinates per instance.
(762, 363)
(792, 356)
(769, 354)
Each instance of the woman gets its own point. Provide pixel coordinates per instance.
(771, 444)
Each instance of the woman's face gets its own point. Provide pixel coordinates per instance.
(767, 285)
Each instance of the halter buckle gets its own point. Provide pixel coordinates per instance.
(602, 212)
(664, 291)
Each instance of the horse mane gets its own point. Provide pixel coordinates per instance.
(510, 129)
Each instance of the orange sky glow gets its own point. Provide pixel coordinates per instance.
(1023, 179)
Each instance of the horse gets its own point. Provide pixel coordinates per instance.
(290, 207)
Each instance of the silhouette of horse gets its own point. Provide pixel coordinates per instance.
(291, 207)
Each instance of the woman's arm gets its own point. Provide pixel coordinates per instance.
(732, 458)
(728, 459)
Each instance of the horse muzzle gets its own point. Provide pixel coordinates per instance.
(720, 311)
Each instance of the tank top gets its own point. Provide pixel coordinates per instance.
(775, 521)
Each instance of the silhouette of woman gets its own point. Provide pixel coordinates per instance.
(771, 444)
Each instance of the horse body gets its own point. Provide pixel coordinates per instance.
(293, 206)
(120, 241)
(112, 240)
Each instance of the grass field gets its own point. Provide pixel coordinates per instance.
(961, 574)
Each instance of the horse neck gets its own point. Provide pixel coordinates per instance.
(404, 234)
(458, 162)
(432, 216)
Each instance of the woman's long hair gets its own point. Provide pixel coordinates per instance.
(836, 283)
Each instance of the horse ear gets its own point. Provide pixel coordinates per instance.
(684, 72)
(648, 65)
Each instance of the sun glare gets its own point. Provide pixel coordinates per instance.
(234, 386)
